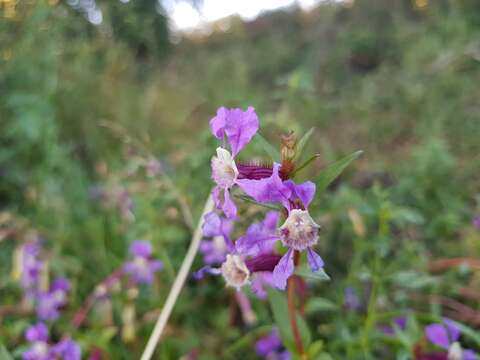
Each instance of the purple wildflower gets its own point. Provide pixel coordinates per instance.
(37, 336)
(239, 127)
(50, 302)
(260, 237)
(400, 322)
(142, 268)
(219, 229)
(476, 222)
(351, 300)
(445, 335)
(31, 268)
(66, 349)
(270, 347)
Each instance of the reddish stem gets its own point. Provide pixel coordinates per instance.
(444, 264)
(292, 313)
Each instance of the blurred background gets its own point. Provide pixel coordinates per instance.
(104, 110)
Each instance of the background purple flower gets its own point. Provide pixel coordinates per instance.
(37, 336)
(476, 222)
(66, 349)
(445, 335)
(270, 347)
(142, 268)
(31, 268)
(49, 303)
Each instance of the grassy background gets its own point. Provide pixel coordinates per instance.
(83, 106)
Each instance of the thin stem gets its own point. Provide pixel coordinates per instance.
(177, 285)
(292, 313)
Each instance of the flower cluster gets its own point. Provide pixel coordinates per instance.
(40, 348)
(270, 347)
(253, 258)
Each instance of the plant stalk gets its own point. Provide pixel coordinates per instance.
(292, 312)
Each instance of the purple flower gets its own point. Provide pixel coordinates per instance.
(239, 127)
(37, 336)
(219, 229)
(299, 232)
(400, 322)
(31, 268)
(260, 237)
(351, 300)
(270, 347)
(476, 222)
(66, 349)
(446, 335)
(142, 268)
(50, 302)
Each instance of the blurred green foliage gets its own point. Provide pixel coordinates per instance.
(84, 105)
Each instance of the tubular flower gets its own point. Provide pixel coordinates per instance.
(270, 347)
(299, 232)
(238, 127)
(446, 335)
(142, 268)
(219, 229)
(37, 336)
(50, 302)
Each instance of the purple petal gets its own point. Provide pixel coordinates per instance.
(453, 330)
(155, 265)
(258, 238)
(217, 124)
(271, 220)
(200, 274)
(60, 284)
(438, 335)
(267, 190)
(262, 262)
(240, 128)
(212, 253)
(305, 192)
(268, 344)
(469, 355)
(260, 281)
(141, 248)
(216, 197)
(314, 260)
(212, 225)
(283, 270)
(67, 349)
(229, 207)
(37, 332)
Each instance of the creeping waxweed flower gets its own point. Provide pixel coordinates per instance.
(40, 349)
(31, 268)
(50, 302)
(476, 222)
(142, 267)
(37, 336)
(270, 347)
(299, 231)
(446, 335)
(249, 261)
(218, 229)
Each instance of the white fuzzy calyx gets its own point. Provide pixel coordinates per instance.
(299, 231)
(224, 169)
(235, 271)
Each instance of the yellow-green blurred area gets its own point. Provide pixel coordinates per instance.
(88, 103)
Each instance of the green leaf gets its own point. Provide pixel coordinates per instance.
(4, 354)
(278, 303)
(332, 171)
(305, 164)
(305, 272)
(302, 143)
(320, 304)
(474, 335)
(251, 200)
(269, 148)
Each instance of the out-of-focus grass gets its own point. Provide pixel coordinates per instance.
(399, 83)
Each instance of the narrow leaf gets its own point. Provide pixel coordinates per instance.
(302, 143)
(333, 171)
(320, 305)
(305, 164)
(269, 148)
(4, 354)
(305, 272)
